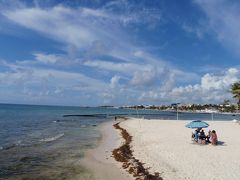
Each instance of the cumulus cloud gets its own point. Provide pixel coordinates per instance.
(213, 88)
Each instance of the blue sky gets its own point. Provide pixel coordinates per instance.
(121, 52)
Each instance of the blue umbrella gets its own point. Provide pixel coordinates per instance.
(197, 124)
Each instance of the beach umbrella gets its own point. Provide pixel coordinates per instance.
(197, 124)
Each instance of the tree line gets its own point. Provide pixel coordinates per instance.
(226, 106)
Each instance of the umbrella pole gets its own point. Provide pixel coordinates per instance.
(177, 113)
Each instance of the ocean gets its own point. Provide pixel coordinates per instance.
(48, 142)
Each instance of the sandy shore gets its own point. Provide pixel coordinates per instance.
(166, 147)
(100, 160)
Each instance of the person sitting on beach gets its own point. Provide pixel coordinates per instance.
(208, 136)
(195, 135)
(213, 137)
(202, 137)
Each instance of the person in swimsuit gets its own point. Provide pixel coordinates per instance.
(213, 138)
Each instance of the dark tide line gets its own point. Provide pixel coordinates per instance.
(124, 155)
(85, 115)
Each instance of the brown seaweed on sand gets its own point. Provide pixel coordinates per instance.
(129, 162)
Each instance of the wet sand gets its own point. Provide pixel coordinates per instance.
(100, 160)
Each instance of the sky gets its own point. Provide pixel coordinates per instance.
(118, 52)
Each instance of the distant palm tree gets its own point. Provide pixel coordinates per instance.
(235, 90)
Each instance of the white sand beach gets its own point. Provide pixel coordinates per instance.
(166, 147)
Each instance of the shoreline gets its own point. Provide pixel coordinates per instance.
(100, 160)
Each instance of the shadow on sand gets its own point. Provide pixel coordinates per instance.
(219, 143)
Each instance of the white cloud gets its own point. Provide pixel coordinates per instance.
(138, 53)
(32, 77)
(81, 26)
(114, 83)
(199, 31)
(127, 73)
(126, 68)
(61, 23)
(145, 74)
(94, 13)
(132, 13)
(38, 84)
(213, 87)
(223, 20)
(144, 77)
(15, 78)
(47, 58)
(53, 59)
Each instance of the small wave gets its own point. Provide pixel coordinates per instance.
(54, 138)
(18, 143)
(10, 146)
(56, 121)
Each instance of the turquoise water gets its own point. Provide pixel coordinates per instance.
(38, 142)
(41, 142)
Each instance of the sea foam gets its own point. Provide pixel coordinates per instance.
(54, 138)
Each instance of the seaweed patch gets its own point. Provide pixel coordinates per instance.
(124, 154)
